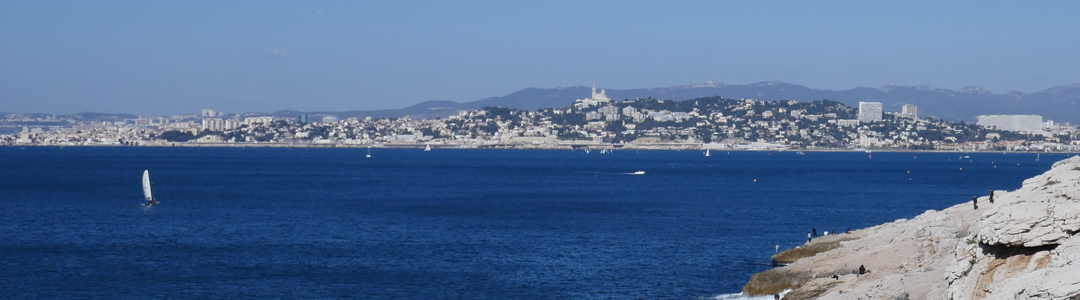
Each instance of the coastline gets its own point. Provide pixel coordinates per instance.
(1023, 245)
(671, 147)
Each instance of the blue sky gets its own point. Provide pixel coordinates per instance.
(172, 57)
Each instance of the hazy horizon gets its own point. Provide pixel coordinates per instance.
(173, 58)
(568, 102)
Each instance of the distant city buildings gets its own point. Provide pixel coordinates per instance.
(597, 122)
(869, 112)
(909, 111)
(252, 121)
(213, 124)
(1021, 123)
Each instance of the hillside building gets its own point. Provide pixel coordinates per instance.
(1020, 123)
(596, 99)
(869, 112)
(909, 111)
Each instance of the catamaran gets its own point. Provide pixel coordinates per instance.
(146, 189)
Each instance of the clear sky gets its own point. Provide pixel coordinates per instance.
(172, 57)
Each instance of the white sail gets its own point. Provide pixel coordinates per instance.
(146, 185)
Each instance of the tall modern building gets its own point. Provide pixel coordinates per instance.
(869, 112)
(302, 119)
(213, 124)
(1021, 123)
(909, 111)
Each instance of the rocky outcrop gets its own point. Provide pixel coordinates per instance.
(1044, 211)
(1022, 246)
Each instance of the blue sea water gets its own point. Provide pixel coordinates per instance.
(446, 224)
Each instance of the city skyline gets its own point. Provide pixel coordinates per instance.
(166, 58)
(594, 122)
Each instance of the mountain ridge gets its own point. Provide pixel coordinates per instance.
(1061, 103)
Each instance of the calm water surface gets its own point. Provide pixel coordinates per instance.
(445, 224)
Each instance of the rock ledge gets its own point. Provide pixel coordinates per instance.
(1022, 246)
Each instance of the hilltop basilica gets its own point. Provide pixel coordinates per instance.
(596, 99)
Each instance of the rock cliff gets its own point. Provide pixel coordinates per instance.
(1022, 246)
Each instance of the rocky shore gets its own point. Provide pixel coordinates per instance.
(1024, 245)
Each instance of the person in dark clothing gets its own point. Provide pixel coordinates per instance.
(991, 196)
(975, 201)
(776, 296)
(862, 270)
(814, 231)
(775, 263)
(848, 230)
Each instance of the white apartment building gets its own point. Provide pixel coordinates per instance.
(258, 120)
(869, 112)
(909, 111)
(1021, 123)
(213, 124)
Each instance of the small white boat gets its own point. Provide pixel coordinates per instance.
(146, 189)
(368, 152)
(638, 173)
(428, 148)
(800, 153)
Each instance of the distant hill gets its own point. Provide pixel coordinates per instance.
(422, 110)
(1061, 104)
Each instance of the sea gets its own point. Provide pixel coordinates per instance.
(305, 223)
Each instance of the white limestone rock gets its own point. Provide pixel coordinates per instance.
(1045, 211)
(1023, 246)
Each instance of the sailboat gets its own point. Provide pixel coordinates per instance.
(146, 189)
(428, 148)
(368, 152)
(1037, 156)
(707, 153)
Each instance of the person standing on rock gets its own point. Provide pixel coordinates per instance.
(975, 201)
(808, 238)
(814, 231)
(991, 196)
